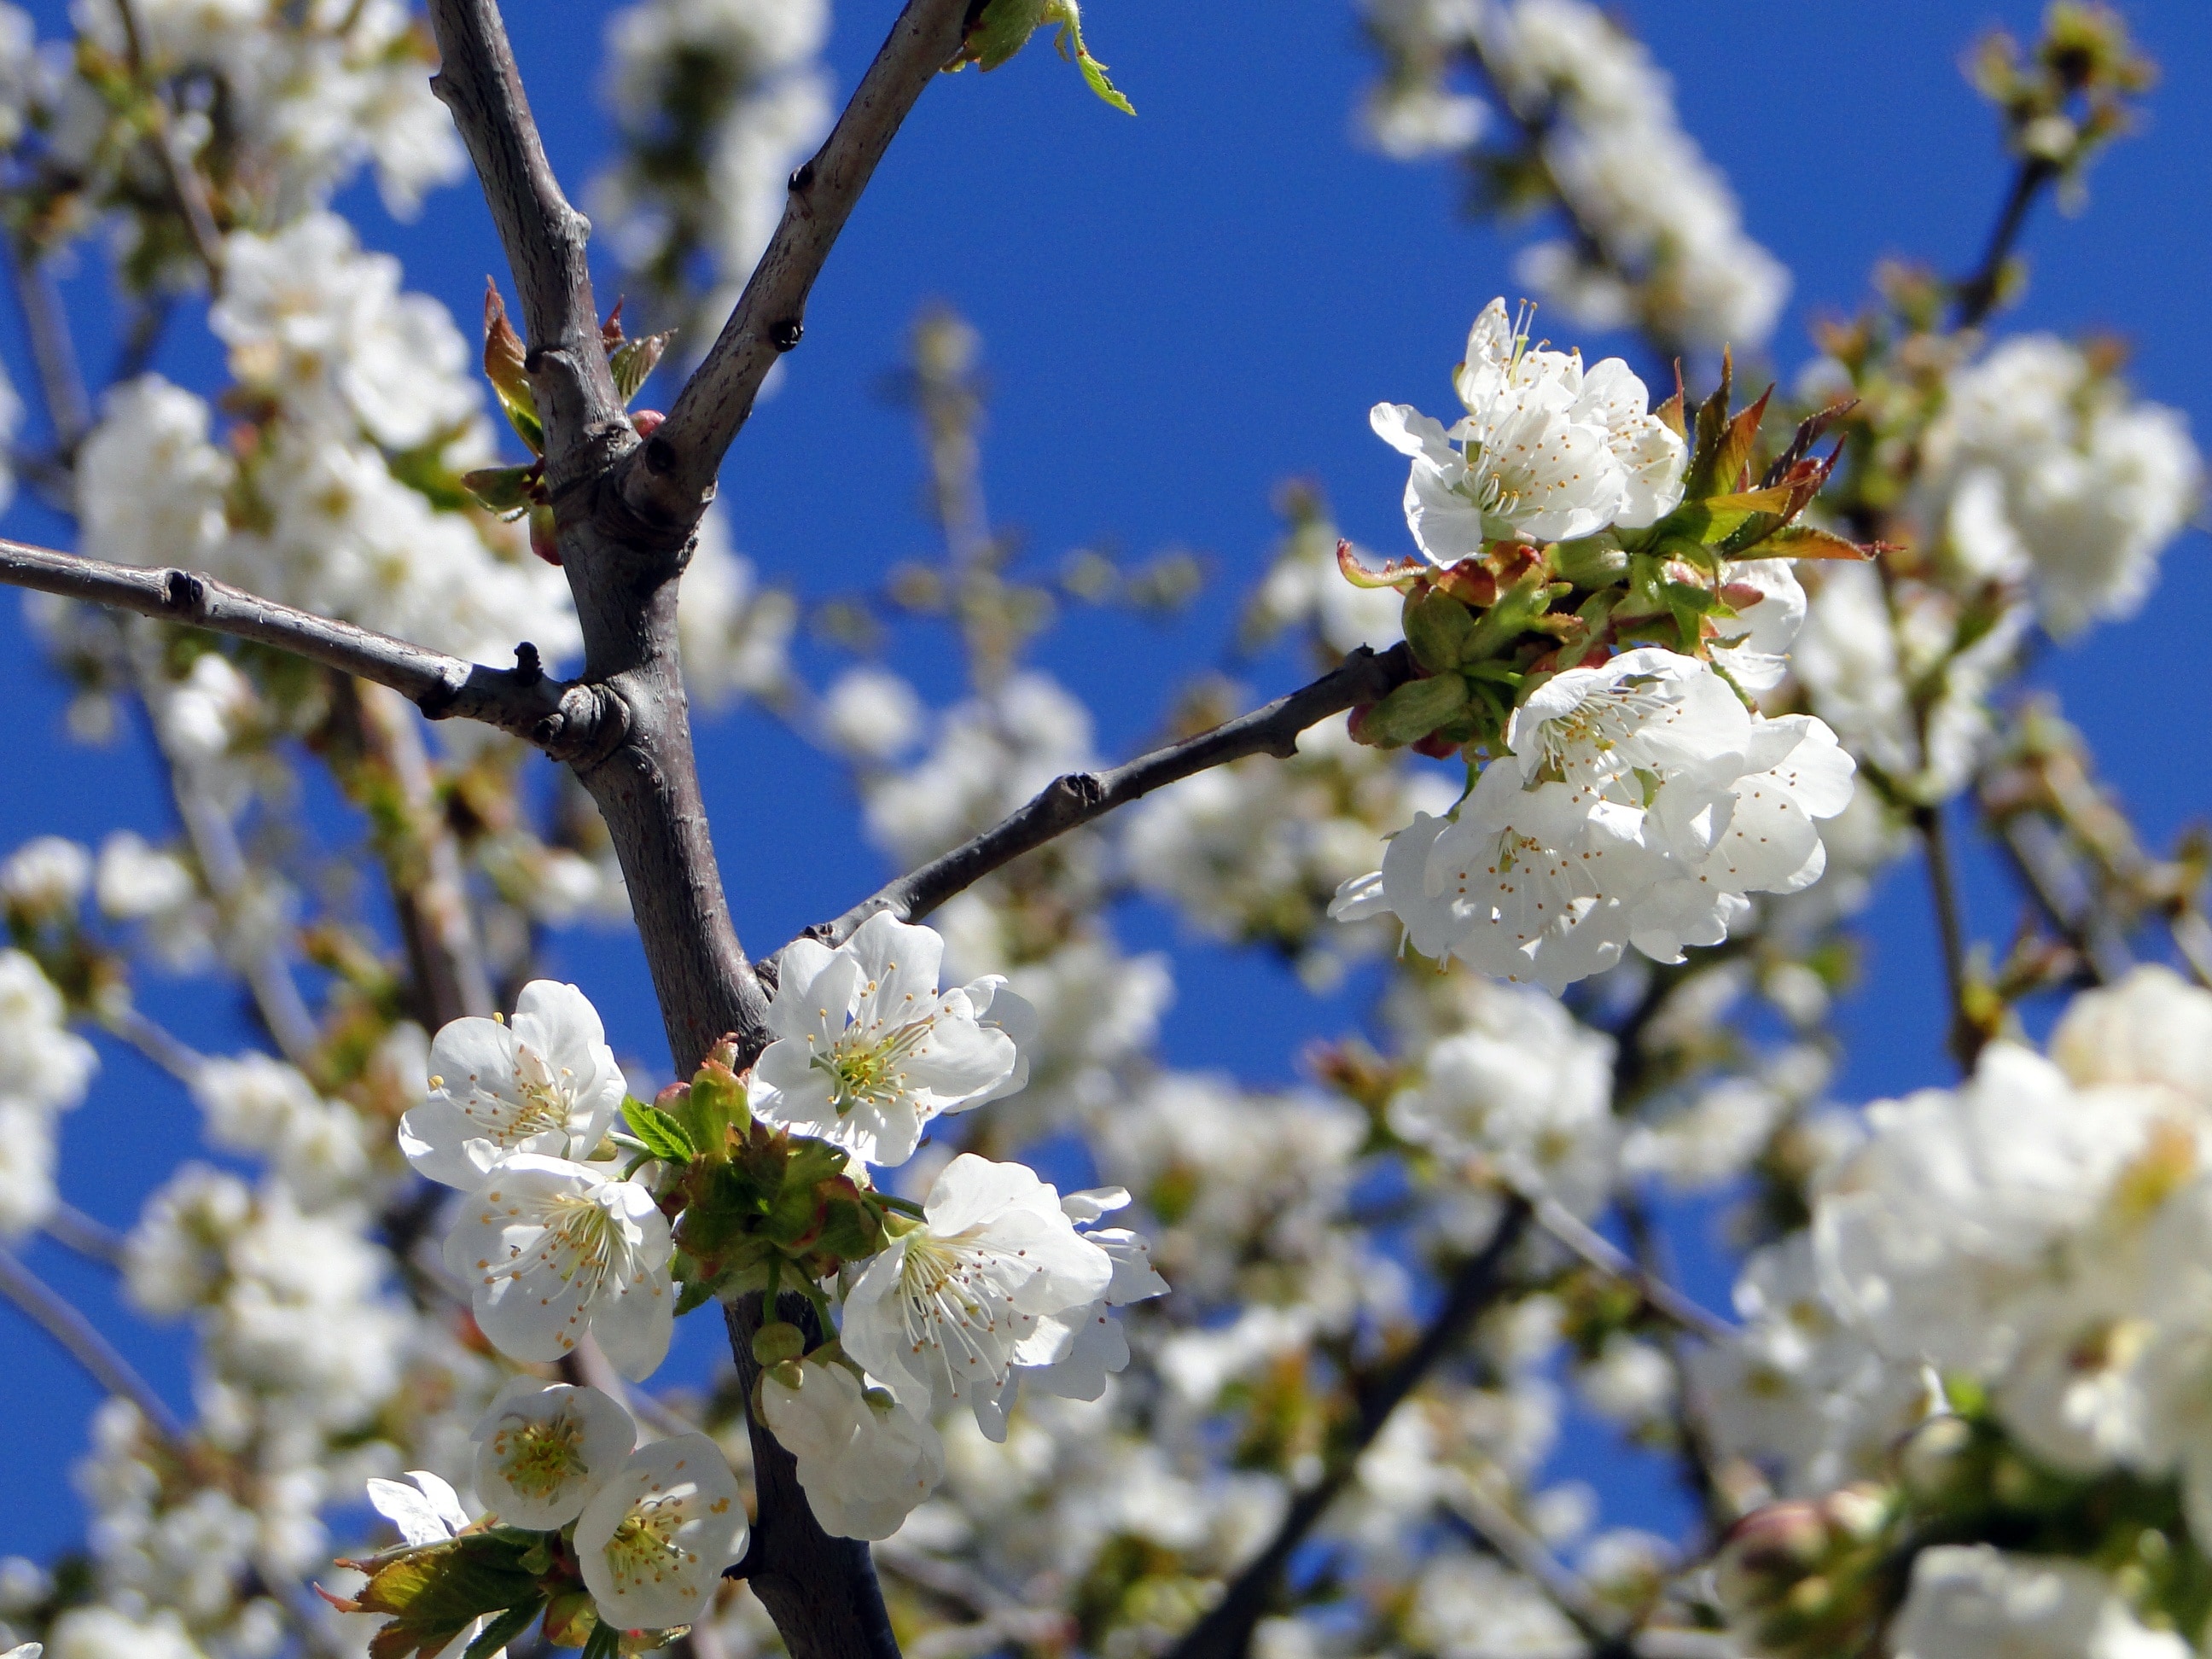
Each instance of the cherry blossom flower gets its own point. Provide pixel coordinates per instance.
(653, 1540)
(542, 1452)
(864, 1459)
(553, 1249)
(868, 1050)
(1072, 1354)
(1639, 802)
(1546, 450)
(547, 1083)
(944, 1314)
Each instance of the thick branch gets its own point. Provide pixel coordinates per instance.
(544, 236)
(1226, 1631)
(1069, 802)
(676, 474)
(564, 718)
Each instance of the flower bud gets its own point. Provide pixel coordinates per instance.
(777, 1342)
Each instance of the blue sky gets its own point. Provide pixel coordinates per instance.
(1180, 311)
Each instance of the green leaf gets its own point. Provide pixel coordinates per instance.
(1064, 13)
(436, 1593)
(695, 1294)
(1004, 28)
(1415, 710)
(667, 1138)
(503, 1630)
(604, 1642)
(505, 490)
(633, 363)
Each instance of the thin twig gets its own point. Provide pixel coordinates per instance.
(45, 1308)
(157, 1043)
(673, 472)
(73, 1230)
(261, 961)
(1975, 296)
(1226, 1631)
(1071, 801)
(1965, 1035)
(558, 715)
(1497, 1528)
(423, 867)
(187, 189)
(1601, 1253)
(53, 350)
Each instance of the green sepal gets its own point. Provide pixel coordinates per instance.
(604, 1642)
(1437, 626)
(1703, 477)
(663, 1136)
(696, 1293)
(502, 1630)
(1414, 710)
(1598, 561)
(1002, 31)
(505, 490)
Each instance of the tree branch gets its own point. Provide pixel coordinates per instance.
(1975, 296)
(1074, 800)
(544, 236)
(562, 718)
(45, 1307)
(1226, 1631)
(672, 475)
(1662, 1297)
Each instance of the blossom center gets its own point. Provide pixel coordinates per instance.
(539, 1457)
(954, 1299)
(644, 1547)
(870, 1070)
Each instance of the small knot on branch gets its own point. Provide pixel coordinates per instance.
(787, 334)
(528, 667)
(184, 592)
(660, 455)
(802, 178)
(438, 702)
(1085, 787)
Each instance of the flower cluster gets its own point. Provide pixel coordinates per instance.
(1634, 798)
(319, 502)
(2034, 1239)
(1658, 236)
(586, 1528)
(950, 1302)
(2041, 470)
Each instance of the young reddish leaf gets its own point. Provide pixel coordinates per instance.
(1400, 574)
(1804, 541)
